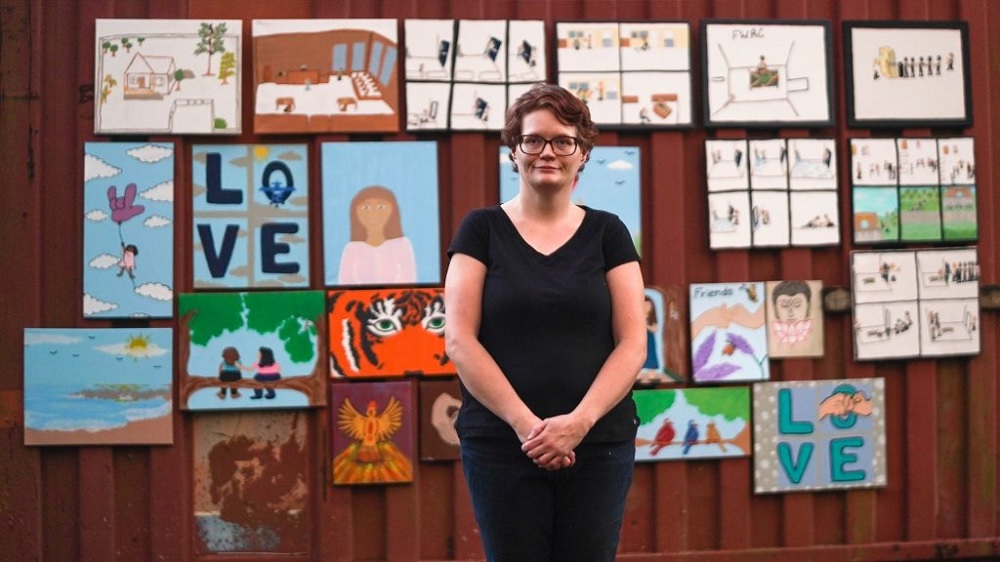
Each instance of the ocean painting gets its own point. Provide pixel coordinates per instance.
(98, 386)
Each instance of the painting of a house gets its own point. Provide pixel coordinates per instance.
(149, 77)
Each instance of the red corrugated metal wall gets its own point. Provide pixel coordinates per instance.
(135, 503)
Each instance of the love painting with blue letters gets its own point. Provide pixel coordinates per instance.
(819, 435)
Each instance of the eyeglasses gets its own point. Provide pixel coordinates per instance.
(534, 144)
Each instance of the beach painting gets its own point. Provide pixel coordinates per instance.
(260, 350)
(728, 332)
(373, 434)
(252, 475)
(389, 332)
(168, 77)
(819, 435)
(128, 230)
(251, 216)
(692, 423)
(610, 182)
(98, 386)
(380, 213)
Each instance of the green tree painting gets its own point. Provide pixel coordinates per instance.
(227, 66)
(211, 40)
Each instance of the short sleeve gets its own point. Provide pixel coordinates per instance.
(618, 245)
(473, 237)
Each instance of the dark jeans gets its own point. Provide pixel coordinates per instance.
(528, 514)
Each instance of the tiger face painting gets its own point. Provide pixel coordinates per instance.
(387, 332)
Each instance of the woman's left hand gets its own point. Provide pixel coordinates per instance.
(550, 444)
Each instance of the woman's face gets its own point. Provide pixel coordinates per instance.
(547, 169)
(373, 213)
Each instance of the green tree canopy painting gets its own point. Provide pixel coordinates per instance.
(290, 315)
(211, 40)
(730, 403)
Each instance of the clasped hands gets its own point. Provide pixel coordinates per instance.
(550, 442)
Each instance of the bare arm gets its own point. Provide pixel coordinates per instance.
(559, 435)
(463, 296)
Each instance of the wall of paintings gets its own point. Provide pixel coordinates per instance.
(262, 260)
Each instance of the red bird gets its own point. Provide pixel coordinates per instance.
(664, 436)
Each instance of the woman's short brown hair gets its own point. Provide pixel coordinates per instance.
(567, 108)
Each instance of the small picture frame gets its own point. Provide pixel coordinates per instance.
(912, 74)
(767, 73)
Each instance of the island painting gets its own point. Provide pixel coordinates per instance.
(98, 386)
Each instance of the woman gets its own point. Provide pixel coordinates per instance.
(378, 253)
(546, 329)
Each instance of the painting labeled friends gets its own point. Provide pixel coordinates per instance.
(373, 434)
(819, 435)
(251, 216)
(252, 350)
(389, 332)
(128, 207)
(728, 332)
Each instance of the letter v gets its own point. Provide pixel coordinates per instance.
(218, 263)
(794, 469)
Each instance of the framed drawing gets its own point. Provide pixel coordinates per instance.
(168, 77)
(767, 73)
(325, 76)
(632, 75)
(728, 332)
(907, 74)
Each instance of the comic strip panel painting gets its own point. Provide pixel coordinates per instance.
(948, 274)
(128, 206)
(907, 74)
(480, 51)
(958, 219)
(794, 318)
(728, 332)
(919, 214)
(815, 218)
(245, 351)
(98, 387)
(439, 404)
(729, 224)
(251, 215)
(883, 276)
(957, 161)
(917, 161)
(813, 164)
(372, 438)
(251, 483)
(874, 162)
(692, 423)
(885, 330)
(949, 327)
(611, 182)
(726, 163)
(876, 214)
(380, 213)
(388, 332)
(325, 75)
(768, 160)
(168, 76)
(766, 73)
(769, 218)
(819, 435)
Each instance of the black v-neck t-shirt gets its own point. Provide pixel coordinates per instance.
(546, 318)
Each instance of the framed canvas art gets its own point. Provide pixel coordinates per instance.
(380, 213)
(168, 77)
(632, 75)
(692, 423)
(819, 435)
(728, 332)
(907, 74)
(767, 73)
(252, 351)
(128, 230)
(794, 318)
(372, 438)
(661, 316)
(388, 332)
(325, 76)
(439, 404)
(251, 216)
(98, 386)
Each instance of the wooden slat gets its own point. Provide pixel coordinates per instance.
(97, 504)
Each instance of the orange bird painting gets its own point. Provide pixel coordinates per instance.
(371, 457)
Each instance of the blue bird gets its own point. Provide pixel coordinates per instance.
(277, 193)
(691, 437)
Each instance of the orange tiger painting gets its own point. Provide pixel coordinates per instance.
(387, 332)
